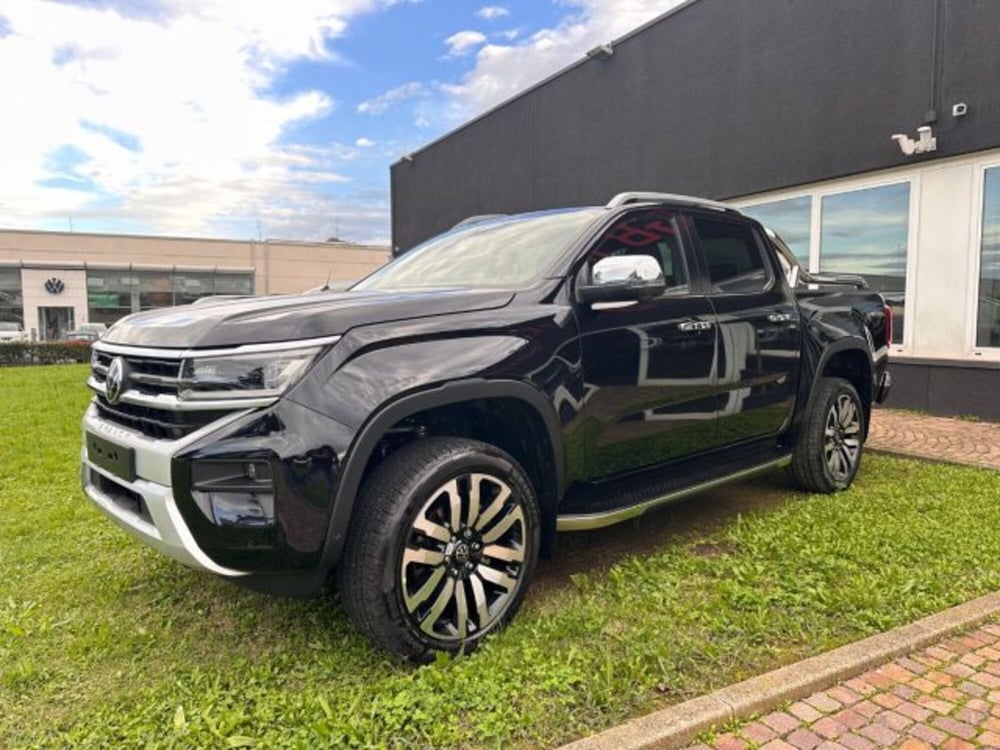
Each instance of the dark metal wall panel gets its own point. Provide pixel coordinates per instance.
(722, 98)
(946, 389)
(970, 72)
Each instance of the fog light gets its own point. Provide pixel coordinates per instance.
(234, 493)
(245, 509)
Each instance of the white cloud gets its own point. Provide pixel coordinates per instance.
(502, 70)
(165, 116)
(364, 142)
(380, 104)
(463, 42)
(492, 12)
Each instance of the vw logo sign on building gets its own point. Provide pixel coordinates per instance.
(54, 285)
(114, 383)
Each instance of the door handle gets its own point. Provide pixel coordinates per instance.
(779, 317)
(692, 326)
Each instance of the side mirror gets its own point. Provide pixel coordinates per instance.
(623, 278)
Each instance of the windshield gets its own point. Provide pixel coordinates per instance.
(506, 252)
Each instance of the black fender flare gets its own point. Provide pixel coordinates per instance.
(389, 414)
(849, 343)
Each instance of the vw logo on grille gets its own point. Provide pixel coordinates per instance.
(114, 383)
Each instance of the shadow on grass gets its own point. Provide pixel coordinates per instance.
(685, 522)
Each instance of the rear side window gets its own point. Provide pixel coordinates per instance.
(733, 255)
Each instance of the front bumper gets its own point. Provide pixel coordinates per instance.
(145, 507)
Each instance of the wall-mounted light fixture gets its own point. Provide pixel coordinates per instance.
(601, 52)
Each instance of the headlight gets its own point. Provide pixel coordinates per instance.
(244, 375)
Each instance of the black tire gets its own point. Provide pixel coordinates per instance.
(406, 512)
(828, 451)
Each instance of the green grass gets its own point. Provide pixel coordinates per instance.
(105, 643)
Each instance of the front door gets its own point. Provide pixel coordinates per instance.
(758, 330)
(54, 322)
(649, 365)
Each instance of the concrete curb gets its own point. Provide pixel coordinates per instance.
(679, 725)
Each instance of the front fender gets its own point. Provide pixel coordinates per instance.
(373, 376)
(370, 434)
(368, 384)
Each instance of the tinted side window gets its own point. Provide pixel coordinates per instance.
(654, 233)
(733, 255)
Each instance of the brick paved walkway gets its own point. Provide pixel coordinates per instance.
(946, 696)
(957, 440)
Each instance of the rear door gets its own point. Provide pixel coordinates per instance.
(759, 335)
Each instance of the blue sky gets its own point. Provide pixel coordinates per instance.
(242, 118)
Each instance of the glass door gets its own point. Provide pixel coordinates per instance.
(54, 323)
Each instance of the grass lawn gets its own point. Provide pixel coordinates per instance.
(105, 643)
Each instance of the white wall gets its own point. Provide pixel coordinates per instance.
(942, 247)
(35, 294)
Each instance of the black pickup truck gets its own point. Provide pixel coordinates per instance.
(425, 434)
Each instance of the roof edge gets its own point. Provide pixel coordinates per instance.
(189, 238)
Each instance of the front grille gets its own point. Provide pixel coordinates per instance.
(145, 374)
(153, 380)
(162, 424)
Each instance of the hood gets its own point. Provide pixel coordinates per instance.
(262, 320)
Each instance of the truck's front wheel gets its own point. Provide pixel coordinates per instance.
(442, 547)
(828, 452)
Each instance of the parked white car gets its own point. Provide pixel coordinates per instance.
(12, 332)
(98, 329)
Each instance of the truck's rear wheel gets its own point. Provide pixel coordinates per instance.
(442, 547)
(828, 452)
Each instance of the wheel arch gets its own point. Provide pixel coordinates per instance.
(545, 468)
(850, 359)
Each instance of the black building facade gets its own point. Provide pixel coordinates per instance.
(785, 108)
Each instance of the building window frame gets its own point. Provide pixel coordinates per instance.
(976, 227)
(817, 193)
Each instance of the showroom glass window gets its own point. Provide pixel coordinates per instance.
(791, 219)
(988, 318)
(191, 285)
(109, 295)
(233, 283)
(155, 289)
(11, 301)
(867, 232)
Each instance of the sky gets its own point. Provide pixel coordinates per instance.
(254, 118)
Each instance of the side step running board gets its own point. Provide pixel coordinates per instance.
(583, 521)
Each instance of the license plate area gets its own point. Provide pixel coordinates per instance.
(116, 459)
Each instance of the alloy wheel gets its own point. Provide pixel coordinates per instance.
(463, 557)
(842, 437)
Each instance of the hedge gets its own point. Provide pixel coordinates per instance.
(43, 352)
